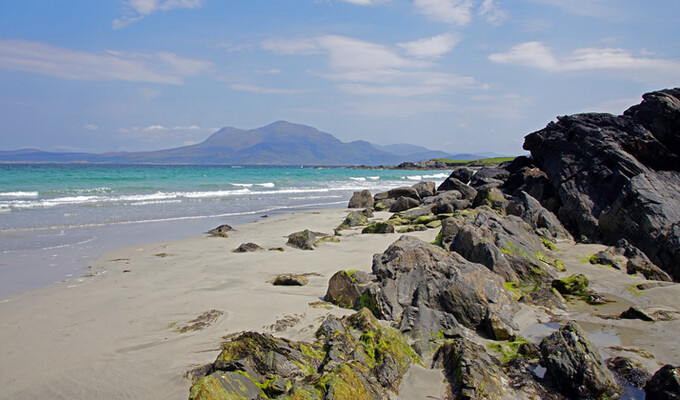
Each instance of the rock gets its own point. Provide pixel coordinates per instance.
(247, 248)
(404, 191)
(446, 197)
(425, 189)
(628, 372)
(352, 358)
(383, 205)
(291, 280)
(451, 183)
(221, 231)
(576, 366)
(504, 244)
(472, 373)
(652, 314)
(362, 199)
(665, 384)
(225, 385)
(488, 177)
(379, 227)
(463, 174)
(355, 218)
(652, 285)
(574, 285)
(426, 289)
(415, 213)
(304, 240)
(345, 288)
(646, 268)
(532, 212)
(618, 176)
(529, 350)
(491, 197)
(526, 177)
(443, 208)
(608, 258)
(403, 204)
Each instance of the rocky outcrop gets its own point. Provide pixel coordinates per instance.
(427, 290)
(353, 358)
(425, 189)
(472, 373)
(362, 199)
(665, 384)
(221, 231)
(506, 245)
(618, 176)
(576, 366)
(355, 218)
(453, 183)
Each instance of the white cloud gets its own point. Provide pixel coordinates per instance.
(457, 12)
(398, 91)
(138, 9)
(148, 93)
(291, 46)
(529, 54)
(42, 58)
(642, 68)
(90, 127)
(262, 90)
(157, 132)
(492, 13)
(432, 47)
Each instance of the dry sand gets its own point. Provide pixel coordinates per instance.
(116, 332)
(113, 334)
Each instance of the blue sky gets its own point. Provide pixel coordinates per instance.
(454, 75)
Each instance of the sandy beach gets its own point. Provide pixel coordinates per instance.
(115, 333)
(127, 330)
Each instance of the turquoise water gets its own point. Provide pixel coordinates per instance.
(55, 218)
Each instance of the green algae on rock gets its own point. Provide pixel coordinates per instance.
(354, 357)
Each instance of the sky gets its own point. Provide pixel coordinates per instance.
(454, 75)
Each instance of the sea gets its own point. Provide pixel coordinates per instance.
(55, 219)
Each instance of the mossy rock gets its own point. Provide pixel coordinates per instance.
(425, 219)
(304, 240)
(225, 386)
(434, 224)
(355, 218)
(575, 285)
(379, 227)
(398, 221)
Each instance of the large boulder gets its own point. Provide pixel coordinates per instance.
(404, 191)
(362, 199)
(619, 176)
(428, 290)
(404, 203)
(489, 177)
(532, 212)
(453, 183)
(575, 365)
(425, 189)
(303, 240)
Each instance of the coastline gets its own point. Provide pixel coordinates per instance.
(113, 333)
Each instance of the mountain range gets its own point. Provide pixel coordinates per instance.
(279, 143)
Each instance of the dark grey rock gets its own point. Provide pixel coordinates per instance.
(576, 366)
(404, 191)
(665, 384)
(472, 373)
(425, 189)
(291, 280)
(362, 199)
(452, 183)
(463, 174)
(247, 248)
(304, 240)
(403, 204)
(619, 176)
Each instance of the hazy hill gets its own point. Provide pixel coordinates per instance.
(279, 143)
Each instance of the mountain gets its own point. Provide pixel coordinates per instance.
(279, 143)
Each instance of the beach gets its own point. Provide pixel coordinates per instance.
(145, 315)
(115, 332)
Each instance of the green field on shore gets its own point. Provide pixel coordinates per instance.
(483, 161)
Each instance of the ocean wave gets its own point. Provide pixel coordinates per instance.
(267, 184)
(373, 178)
(413, 177)
(436, 176)
(18, 194)
(360, 179)
(242, 184)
